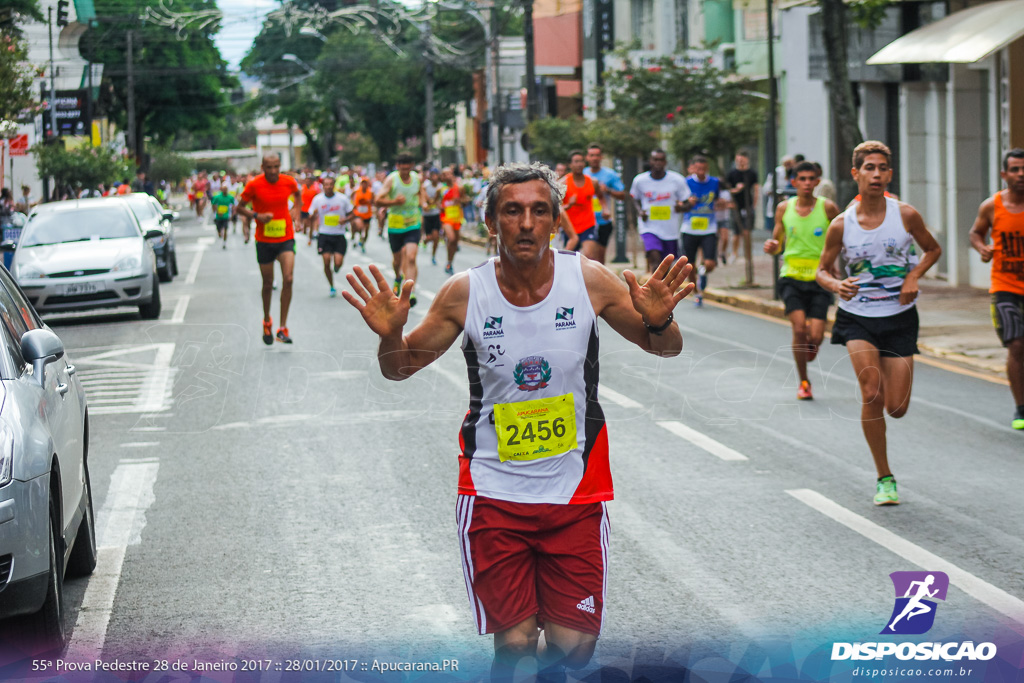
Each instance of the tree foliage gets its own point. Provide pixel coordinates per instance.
(699, 108)
(180, 85)
(551, 139)
(13, 12)
(82, 167)
(17, 100)
(166, 165)
(358, 83)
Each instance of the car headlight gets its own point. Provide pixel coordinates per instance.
(6, 455)
(28, 272)
(159, 241)
(126, 264)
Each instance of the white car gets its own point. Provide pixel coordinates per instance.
(87, 253)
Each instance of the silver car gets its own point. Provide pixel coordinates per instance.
(155, 218)
(47, 529)
(87, 253)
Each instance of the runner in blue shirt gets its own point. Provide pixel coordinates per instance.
(611, 184)
(700, 225)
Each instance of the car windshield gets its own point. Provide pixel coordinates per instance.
(56, 227)
(142, 207)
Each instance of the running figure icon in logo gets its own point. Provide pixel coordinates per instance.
(915, 589)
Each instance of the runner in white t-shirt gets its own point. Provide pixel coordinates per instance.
(660, 198)
(330, 211)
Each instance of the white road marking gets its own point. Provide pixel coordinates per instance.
(140, 444)
(193, 270)
(980, 590)
(460, 382)
(121, 386)
(118, 524)
(604, 393)
(702, 441)
(180, 308)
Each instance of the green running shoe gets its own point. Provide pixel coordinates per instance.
(886, 492)
(1018, 420)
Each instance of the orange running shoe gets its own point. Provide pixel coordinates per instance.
(804, 392)
(268, 332)
(282, 335)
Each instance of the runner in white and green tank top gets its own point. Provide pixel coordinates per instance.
(800, 227)
(401, 196)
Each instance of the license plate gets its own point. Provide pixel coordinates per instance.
(79, 288)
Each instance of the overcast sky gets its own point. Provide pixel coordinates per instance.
(242, 22)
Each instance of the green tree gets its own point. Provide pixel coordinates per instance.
(13, 12)
(180, 85)
(16, 93)
(551, 139)
(360, 83)
(166, 165)
(698, 107)
(82, 167)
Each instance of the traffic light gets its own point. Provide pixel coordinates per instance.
(62, 12)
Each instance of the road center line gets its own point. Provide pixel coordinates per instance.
(702, 441)
(118, 524)
(606, 394)
(996, 598)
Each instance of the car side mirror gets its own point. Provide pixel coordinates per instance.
(153, 234)
(169, 215)
(8, 245)
(40, 348)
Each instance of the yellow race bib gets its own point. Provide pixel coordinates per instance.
(699, 222)
(332, 221)
(660, 213)
(275, 228)
(597, 205)
(396, 221)
(222, 210)
(531, 430)
(199, 194)
(800, 269)
(453, 214)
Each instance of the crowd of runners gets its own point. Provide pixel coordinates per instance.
(534, 479)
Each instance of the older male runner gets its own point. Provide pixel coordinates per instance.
(275, 236)
(533, 474)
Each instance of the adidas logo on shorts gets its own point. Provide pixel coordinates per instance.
(587, 605)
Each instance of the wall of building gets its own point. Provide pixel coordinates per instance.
(806, 113)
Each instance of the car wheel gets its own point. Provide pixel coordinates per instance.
(151, 310)
(166, 274)
(49, 621)
(82, 561)
(174, 261)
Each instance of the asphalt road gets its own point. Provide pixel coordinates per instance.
(286, 502)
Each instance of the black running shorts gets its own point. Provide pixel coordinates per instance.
(892, 335)
(1008, 316)
(806, 296)
(331, 244)
(267, 252)
(707, 244)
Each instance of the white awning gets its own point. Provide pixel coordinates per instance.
(963, 37)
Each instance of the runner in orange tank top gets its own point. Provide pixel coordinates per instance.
(362, 198)
(578, 204)
(1003, 213)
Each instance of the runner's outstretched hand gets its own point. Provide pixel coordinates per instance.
(384, 313)
(656, 298)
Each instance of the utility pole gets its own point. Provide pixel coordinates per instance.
(53, 75)
(531, 76)
(771, 145)
(132, 142)
(429, 95)
(496, 143)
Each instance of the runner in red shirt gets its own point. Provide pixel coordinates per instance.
(580, 192)
(310, 190)
(201, 190)
(275, 236)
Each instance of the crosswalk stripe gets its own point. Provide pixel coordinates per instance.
(702, 441)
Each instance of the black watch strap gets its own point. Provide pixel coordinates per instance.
(660, 328)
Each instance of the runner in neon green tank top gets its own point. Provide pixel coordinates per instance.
(401, 196)
(800, 227)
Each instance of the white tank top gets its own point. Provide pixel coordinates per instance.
(534, 432)
(880, 259)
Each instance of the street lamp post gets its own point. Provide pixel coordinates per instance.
(771, 142)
